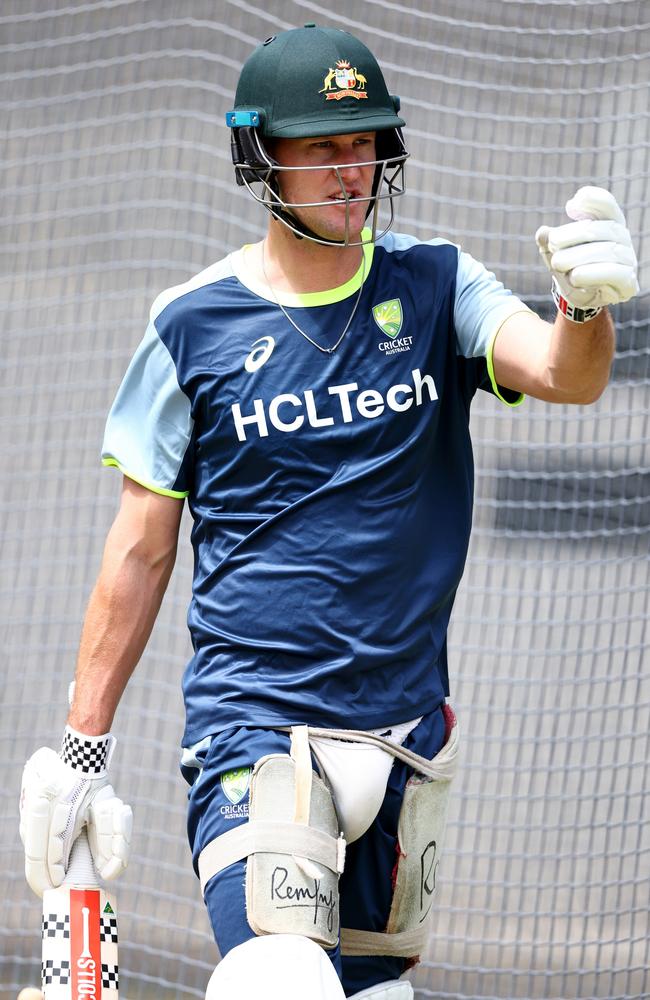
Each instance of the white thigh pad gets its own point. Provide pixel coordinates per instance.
(276, 967)
(357, 774)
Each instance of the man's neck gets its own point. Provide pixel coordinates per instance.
(296, 265)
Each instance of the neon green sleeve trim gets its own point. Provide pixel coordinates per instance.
(490, 367)
(148, 486)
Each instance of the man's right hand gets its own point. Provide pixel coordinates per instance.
(60, 795)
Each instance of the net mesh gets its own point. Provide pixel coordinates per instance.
(116, 184)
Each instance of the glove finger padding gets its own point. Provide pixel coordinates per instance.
(591, 202)
(594, 253)
(584, 233)
(596, 274)
(49, 803)
(110, 824)
(611, 283)
(34, 833)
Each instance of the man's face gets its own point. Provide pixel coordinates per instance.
(326, 184)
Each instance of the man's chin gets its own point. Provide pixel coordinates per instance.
(334, 228)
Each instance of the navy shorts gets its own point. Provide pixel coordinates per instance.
(366, 884)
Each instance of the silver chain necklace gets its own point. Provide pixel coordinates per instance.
(325, 350)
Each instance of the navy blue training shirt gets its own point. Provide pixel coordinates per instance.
(331, 492)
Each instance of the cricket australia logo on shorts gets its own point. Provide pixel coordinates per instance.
(235, 785)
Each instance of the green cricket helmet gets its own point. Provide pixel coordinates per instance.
(316, 82)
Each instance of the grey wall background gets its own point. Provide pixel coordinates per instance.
(116, 183)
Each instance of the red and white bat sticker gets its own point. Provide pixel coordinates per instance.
(85, 945)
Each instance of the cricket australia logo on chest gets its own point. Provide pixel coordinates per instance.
(389, 318)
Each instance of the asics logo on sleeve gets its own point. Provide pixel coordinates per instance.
(287, 412)
(260, 354)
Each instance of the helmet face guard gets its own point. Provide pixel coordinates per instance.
(315, 82)
(255, 166)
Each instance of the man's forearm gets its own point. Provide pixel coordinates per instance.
(580, 357)
(120, 616)
(564, 362)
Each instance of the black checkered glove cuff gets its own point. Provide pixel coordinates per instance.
(90, 755)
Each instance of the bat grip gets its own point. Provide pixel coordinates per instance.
(81, 867)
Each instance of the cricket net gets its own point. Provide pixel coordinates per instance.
(116, 184)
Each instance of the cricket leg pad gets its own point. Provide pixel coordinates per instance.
(420, 833)
(294, 852)
(395, 989)
(276, 967)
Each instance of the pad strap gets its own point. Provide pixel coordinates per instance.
(265, 836)
(441, 768)
(405, 944)
(301, 755)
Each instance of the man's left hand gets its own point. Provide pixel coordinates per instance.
(592, 259)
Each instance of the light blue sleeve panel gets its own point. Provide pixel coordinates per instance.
(149, 426)
(482, 306)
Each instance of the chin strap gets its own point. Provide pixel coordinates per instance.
(292, 223)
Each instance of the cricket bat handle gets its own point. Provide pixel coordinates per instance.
(81, 867)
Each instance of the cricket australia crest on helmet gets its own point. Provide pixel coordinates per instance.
(348, 80)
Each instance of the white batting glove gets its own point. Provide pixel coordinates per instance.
(60, 795)
(592, 259)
